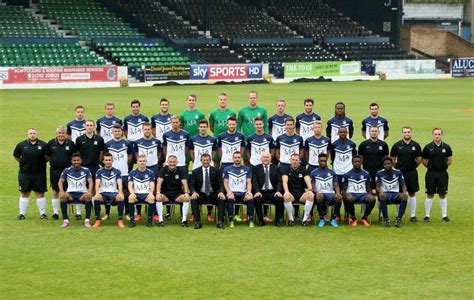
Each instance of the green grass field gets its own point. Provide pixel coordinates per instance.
(40, 260)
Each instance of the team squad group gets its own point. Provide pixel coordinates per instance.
(250, 160)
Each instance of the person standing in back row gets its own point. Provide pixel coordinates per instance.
(375, 120)
(31, 154)
(339, 121)
(437, 157)
(406, 154)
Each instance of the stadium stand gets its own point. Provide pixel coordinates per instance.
(141, 53)
(38, 53)
(15, 21)
(87, 19)
(210, 50)
(314, 18)
(228, 20)
(152, 18)
(156, 20)
(364, 51)
(275, 54)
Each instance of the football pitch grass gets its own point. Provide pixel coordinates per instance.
(41, 260)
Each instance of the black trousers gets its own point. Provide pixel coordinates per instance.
(202, 199)
(269, 196)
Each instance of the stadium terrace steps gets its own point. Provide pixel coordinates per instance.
(87, 19)
(37, 53)
(153, 18)
(141, 53)
(314, 18)
(228, 20)
(15, 21)
(368, 51)
(156, 20)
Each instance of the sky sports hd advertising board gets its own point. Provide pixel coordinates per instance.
(226, 72)
(316, 69)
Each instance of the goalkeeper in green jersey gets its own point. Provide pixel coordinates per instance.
(218, 121)
(218, 117)
(248, 114)
(191, 117)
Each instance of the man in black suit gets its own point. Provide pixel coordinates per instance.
(266, 184)
(206, 188)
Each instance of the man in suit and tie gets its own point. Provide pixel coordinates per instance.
(206, 188)
(266, 184)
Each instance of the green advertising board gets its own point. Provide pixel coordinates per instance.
(316, 69)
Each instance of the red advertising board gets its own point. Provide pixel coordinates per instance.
(73, 74)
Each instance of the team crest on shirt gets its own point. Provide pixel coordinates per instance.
(393, 176)
(258, 114)
(180, 136)
(208, 141)
(314, 118)
(95, 143)
(113, 122)
(123, 145)
(82, 173)
(300, 175)
(67, 147)
(176, 176)
(444, 150)
(413, 148)
(146, 176)
(153, 142)
(112, 173)
(343, 122)
(139, 120)
(236, 138)
(348, 147)
(196, 117)
(378, 122)
(294, 140)
(380, 148)
(39, 148)
(361, 177)
(265, 140)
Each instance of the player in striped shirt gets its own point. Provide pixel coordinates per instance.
(327, 192)
(79, 189)
(315, 145)
(104, 124)
(108, 182)
(276, 123)
(218, 121)
(238, 188)
(288, 144)
(141, 185)
(161, 122)
(133, 123)
(375, 120)
(305, 120)
(391, 189)
(338, 121)
(76, 127)
(122, 153)
(358, 189)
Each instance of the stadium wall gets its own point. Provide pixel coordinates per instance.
(428, 39)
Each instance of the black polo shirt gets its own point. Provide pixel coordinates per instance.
(32, 156)
(437, 156)
(60, 154)
(373, 152)
(172, 179)
(406, 154)
(296, 183)
(90, 149)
